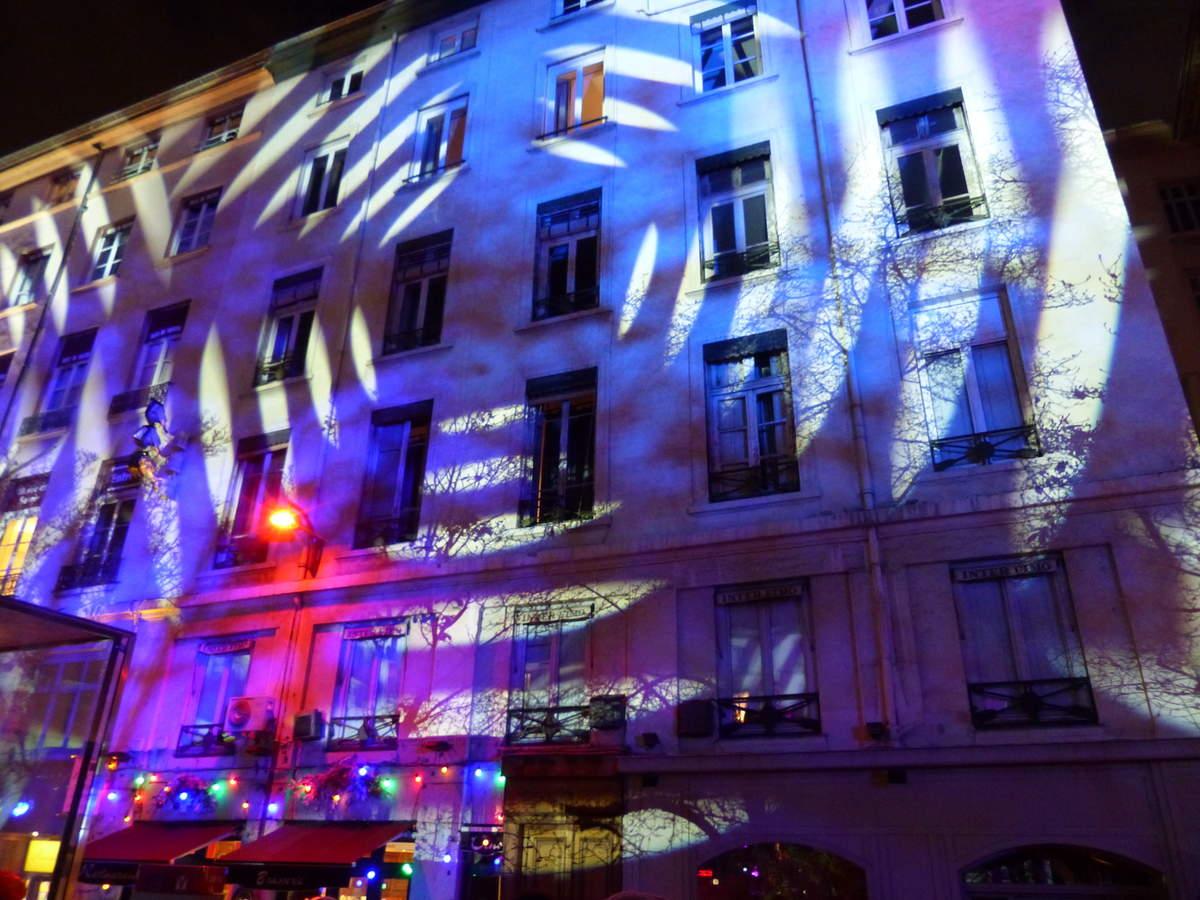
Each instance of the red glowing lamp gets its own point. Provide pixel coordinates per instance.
(285, 522)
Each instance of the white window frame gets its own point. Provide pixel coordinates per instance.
(156, 353)
(377, 692)
(423, 266)
(65, 389)
(260, 500)
(345, 83)
(900, 10)
(742, 597)
(222, 127)
(563, 8)
(324, 160)
(736, 197)
(52, 695)
(138, 158)
(293, 312)
(412, 424)
(436, 151)
(451, 42)
(196, 216)
(572, 117)
(224, 694)
(63, 187)
(30, 283)
(724, 17)
(111, 242)
(549, 239)
(557, 691)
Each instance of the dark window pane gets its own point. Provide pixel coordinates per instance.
(755, 211)
(724, 239)
(585, 263)
(556, 270)
(316, 176)
(913, 181)
(335, 179)
(435, 301)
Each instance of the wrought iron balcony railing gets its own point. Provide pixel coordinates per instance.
(776, 475)
(426, 174)
(89, 572)
(205, 740)
(780, 715)
(549, 725)
(51, 420)
(740, 262)
(138, 398)
(383, 532)
(1041, 701)
(243, 550)
(561, 131)
(363, 733)
(985, 448)
(561, 304)
(399, 341)
(931, 218)
(268, 371)
(8, 583)
(574, 503)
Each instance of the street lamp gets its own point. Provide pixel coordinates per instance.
(285, 522)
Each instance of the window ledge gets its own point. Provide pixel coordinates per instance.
(48, 434)
(420, 183)
(295, 223)
(911, 33)
(321, 108)
(385, 358)
(554, 529)
(167, 261)
(94, 285)
(721, 506)
(975, 470)
(8, 311)
(595, 312)
(277, 383)
(729, 88)
(916, 237)
(563, 18)
(430, 67)
(755, 277)
(574, 134)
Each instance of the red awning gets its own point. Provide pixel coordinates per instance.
(319, 843)
(157, 842)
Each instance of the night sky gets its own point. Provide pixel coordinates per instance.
(68, 62)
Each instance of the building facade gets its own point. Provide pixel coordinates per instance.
(719, 450)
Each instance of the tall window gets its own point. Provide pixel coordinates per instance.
(765, 672)
(138, 159)
(70, 371)
(1021, 649)
(441, 134)
(103, 541)
(222, 127)
(196, 221)
(737, 212)
(559, 482)
(453, 41)
(63, 700)
(751, 432)
(888, 17)
(548, 696)
(568, 255)
(1181, 203)
(160, 339)
(342, 85)
(367, 693)
(289, 325)
(391, 503)
(110, 249)
(257, 486)
(727, 45)
(418, 293)
(31, 277)
(575, 96)
(63, 187)
(931, 170)
(22, 502)
(974, 408)
(566, 7)
(321, 178)
(220, 675)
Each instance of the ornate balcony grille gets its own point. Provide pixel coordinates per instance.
(985, 448)
(780, 715)
(741, 262)
(426, 174)
(387, 531)
(363, 733)
(90, 572)
(931, 218)
(561, 304)
(138, 398)
(549, 725)
(51, 420)
(776, 475)
(204, 740)
(1042, 701)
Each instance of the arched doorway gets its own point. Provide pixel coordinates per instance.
(780, 872)
(1052, 872)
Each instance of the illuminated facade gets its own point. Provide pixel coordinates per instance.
(714, 459)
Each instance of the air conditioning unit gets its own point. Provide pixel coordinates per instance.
(309, 726)
(250, 714)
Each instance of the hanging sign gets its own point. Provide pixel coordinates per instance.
(763, 592)
(381, 630)
(232, 645)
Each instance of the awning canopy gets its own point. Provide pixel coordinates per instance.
(115, 857)
(310, 854)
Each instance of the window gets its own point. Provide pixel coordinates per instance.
(138, 159)
(367, 693)
(222, 128)
(391, 504)
(110, 249)
(576, 95)
(887, 17)
(342, 85)
(70, 371)
(455, 40)
(196, 221)
(418, 296)
(257, 486)
(932, 177)
(728, 46)
(967, 367)
(1181, 203)
(6, 361)
(559, 476)
(6, 198)
(737, 215)
(161, 334)
(751, 435)
(566, 7)
(99, 551)
(765, 673)
(31, 277)
(22, 502)
(289, 325)
(63, 700)
(63, 187)
(322, 178)
(548, 702)
(441, 133)
(1021, 650)
(568, 255)
(222, 669)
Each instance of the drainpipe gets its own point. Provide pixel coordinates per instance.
(877, 587)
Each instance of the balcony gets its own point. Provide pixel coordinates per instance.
(590, 123)
(51, 420)
(1039, 702)
(600, 722)
(776, 475)
(243, 550)
(561, 304)
(204, 740)
(985, 448)
(363, 733)
(916, 219)
(383, 532)
(742, 262)
(268, 371)
(779, 715)
(138, 398)
(434, 172)
(90, 572)
(573, 503)
(399, 341)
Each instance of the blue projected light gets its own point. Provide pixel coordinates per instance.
(370, 874)
(20, 808)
